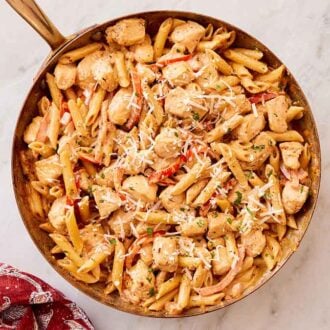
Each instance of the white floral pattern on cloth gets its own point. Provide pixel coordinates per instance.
(27, 302)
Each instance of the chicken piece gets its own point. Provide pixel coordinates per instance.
(208, 76)
(31, 132)
(65, 75)
(104, 73)
(120, 223)
(250, 127)
(291, 152)
(142, 281)
(145, 72)
(161, 163)
(168, 143)
(140, 189)
(146, 255)
(48, 169)
(188, 34)
(143, 52)
(56, 214)
(221, 262)
(137, 161)
(165, 254)
(254, 242)
(294, 197)
(257, 153)
(106, 176)
(171, 203)
(107, 200)
(277, 111)
(119, 110)
(180, 103)
(93, 238)
(195, 227)
(127, 32)
(219, 224)
(85, 76)
(178, 73)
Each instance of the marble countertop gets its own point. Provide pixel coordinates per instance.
(299, 33)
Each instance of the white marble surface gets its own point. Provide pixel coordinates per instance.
(299, 32)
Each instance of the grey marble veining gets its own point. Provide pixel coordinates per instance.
(299, 33)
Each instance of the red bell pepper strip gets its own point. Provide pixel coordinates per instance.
(136, 111)
(175, 59)
(262, 97)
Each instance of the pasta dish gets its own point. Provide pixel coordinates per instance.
(166, 168)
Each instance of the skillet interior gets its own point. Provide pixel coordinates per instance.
(44, 243)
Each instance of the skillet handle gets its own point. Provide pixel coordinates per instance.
(35, 17)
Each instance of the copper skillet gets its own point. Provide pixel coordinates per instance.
(30, 11)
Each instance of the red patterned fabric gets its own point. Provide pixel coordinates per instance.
(26, 302)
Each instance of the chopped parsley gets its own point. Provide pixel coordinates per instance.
(249, 174)
(131, 188)
(229, 220)
(176, 134)
(238, 199)
(112, 241)
(195, 116)
(215, 214)
(270, 173)
(182, 209)
(258, 147)
(102, 175)
(200, 223)
(151, 292)
(250, 212)
(102, 200)
(150, 231)
(228, 130)
(149, 279)
(212, 254)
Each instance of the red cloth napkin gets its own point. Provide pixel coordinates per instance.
(27, 302)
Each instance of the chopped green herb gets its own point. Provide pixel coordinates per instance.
(229, 220)
(102, 200)
(149, 279)
(301, 189)
(228, 130)
(215, 214)
(269, 173)
(249, 174)
(176, 134)
(217, 86)
(182, 209)
(102, 175)
(151, 292)
(150, 231)
(212, 254)
(112, 241)
(90, 150)
(275, 114)
(178, 50)
(238, 199)
(90, 191)
(258, 147)
(250, 212)
(195, 116)
(131, 188)
(200, 223)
